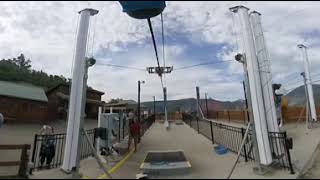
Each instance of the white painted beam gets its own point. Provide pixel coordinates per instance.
(254, 86)
(264, 64)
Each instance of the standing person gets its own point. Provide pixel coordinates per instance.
(134, 133)
(47, 150)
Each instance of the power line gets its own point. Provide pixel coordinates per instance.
(296, 80)
(120, 66)
(318, 80)
(201, 64)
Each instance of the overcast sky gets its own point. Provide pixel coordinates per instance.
(195, 32)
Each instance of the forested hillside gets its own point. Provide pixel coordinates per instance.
(19, 70)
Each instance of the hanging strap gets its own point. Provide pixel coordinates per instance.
(163, 54)
(154, 44)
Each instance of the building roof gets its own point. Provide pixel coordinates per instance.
(68, 84)
(22, 91)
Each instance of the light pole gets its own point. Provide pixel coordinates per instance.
(307, 77)
(139, 90)
(154, 106)
(308, 111)
(207, 105)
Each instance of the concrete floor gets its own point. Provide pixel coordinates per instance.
(306, 160)
(198, 150)
(304, 143)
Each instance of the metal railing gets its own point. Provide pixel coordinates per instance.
(38, 159)
(146, 124)
(231, 137)
(59, 141)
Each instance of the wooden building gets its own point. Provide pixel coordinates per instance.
(58, 102)
(21, 102)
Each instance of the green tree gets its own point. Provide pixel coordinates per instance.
(19, 70)
(22, 62)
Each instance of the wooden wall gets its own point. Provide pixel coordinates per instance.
(20, 110)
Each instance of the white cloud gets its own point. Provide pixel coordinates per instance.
(45, 32)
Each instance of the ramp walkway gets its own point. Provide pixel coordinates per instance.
(205, 163)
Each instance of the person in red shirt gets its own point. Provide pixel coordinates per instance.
(134, 133)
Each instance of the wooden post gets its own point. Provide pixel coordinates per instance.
(228, 115)
(24, 161)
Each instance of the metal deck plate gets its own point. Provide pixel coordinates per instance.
(165, 163)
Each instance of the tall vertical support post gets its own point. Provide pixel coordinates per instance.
(312, 106)
(198, 107)
(207, 105)
(264, 70)
(77, 91)
(308, 112)
(139, 111)
(255, 87)
(246, 101)
(154, 105)
(250, 116)
(166, 122)
(99, 125)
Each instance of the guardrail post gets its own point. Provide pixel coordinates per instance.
(212, 138)
(123, 126)
(244, 147)
(198, 125)
(119, 129)
(34, 152)
(23, 162)
(288, 154)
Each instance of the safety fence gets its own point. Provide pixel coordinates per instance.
(231, 137)
(42, 160)
(289, 114)
(147, 123)
(295, 114)
(235, 116)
